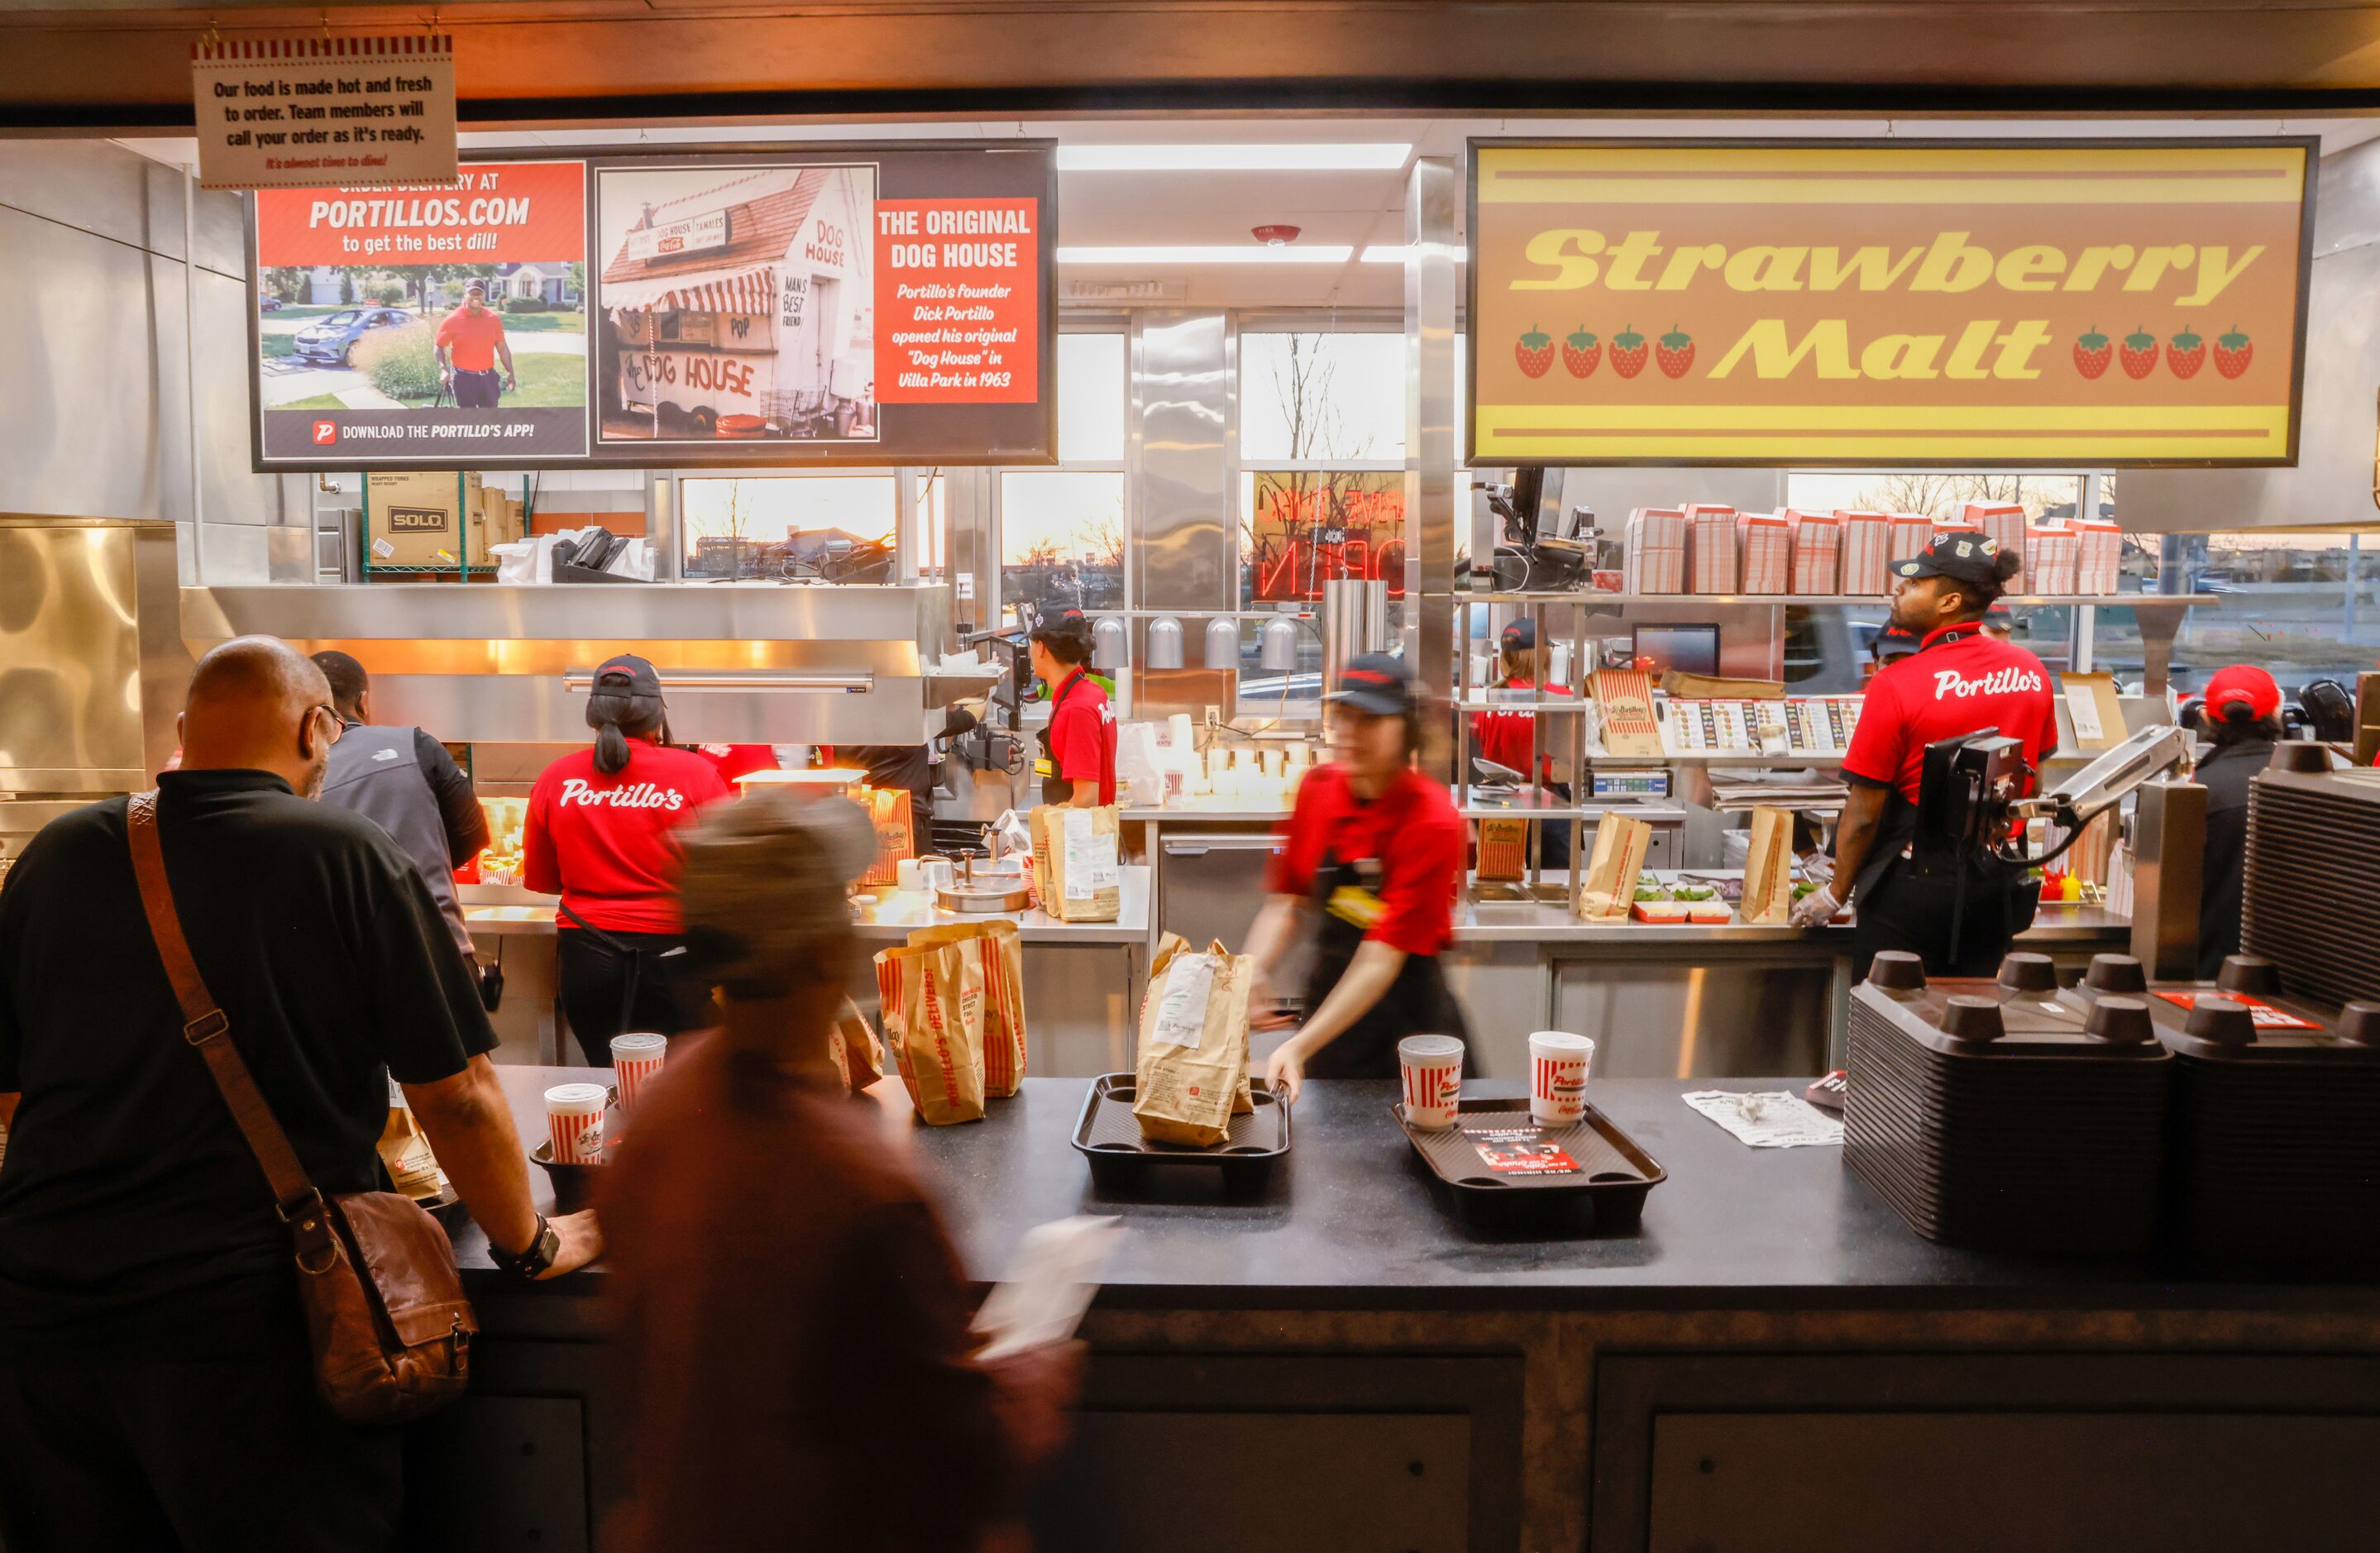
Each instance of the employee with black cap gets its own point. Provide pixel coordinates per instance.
(1078, 747)
(1372, 854)
(601, 833)
(1961, 680)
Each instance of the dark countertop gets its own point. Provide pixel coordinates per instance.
(1350, 1223)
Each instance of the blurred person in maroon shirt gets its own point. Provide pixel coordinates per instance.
(791, 1320)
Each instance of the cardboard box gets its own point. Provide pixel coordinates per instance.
(1867, 541)
(1765, 560)
(1710, 549)
(1817, 564)
(418, 519)
(2052, 553)
(2003, 522)
(1654, 561)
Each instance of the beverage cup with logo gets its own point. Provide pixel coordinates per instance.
(574, 1119)
(634, 1058)
(1559, 1064)
(1431, 1069)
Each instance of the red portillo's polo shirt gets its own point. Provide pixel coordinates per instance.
(1082, 735)
(1960, 681)
(607, 845)
(471, 342)
(1413, 830)
(1504, 736)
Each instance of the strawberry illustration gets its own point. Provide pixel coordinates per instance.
(2139, 354)
(1677, 352)
(2092, 354)
(1536, 352)
(1628, 352)
(2232, 353)
(1581, 352)
(2186, 354)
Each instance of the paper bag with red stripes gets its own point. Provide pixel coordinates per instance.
(1000, 956)
(934, 1022)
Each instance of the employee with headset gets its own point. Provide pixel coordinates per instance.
(1961, 680)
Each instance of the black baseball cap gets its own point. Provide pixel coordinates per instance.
(628, 675)
(1521, 636)
(1893, 642)
(1378, 684)
(1968, 558)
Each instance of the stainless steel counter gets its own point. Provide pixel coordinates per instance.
(891, 915)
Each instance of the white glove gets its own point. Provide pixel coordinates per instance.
(1818, 908)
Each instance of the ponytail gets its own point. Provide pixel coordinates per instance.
(1982, 596)
(617, 715)
(611, 750)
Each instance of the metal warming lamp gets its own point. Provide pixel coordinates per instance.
(1223, 642)
(1164, 644)
(1277, 644)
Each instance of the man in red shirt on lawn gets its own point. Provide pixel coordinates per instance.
(471, 343)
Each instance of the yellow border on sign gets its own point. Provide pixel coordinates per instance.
(1873, 175)
(2179, 432)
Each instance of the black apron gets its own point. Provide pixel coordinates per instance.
(1417, 1003)
(1960, 920)
(1056, 789)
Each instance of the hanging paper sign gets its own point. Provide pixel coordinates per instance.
(301, 113)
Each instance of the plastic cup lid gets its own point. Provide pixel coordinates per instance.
(1425, 1048)
(639, 1041)
(575, 1098)
(1559, 1040)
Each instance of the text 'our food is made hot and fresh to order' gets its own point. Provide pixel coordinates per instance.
(1881, 301)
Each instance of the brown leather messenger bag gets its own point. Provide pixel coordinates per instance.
(385, 1305)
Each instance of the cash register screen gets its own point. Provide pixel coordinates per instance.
(1690, 649)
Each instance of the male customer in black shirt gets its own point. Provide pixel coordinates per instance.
(155, 1388)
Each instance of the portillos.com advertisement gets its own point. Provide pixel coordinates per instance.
(854, 305)
(437, 323)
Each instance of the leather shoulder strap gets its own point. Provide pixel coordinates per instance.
(204, 1025)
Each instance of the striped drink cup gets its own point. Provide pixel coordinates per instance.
(634, 1058)
(1559, 1063)
(1431, 1067)
(574, 1118)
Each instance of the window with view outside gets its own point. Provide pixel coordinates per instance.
(1061, 539)
(1827, 648)
(839, 527)
(2303, 606)
(1331, 405)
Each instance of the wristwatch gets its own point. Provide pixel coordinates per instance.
(543, 1247)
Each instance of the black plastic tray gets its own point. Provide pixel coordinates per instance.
(1614, 1175)
(1109, 1137)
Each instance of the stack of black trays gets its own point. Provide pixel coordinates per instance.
(1998, 1115)
(2309, 902)
(2275, 1158)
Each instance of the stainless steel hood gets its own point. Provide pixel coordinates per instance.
(91, 672)
(2339, 432)
(740, 662)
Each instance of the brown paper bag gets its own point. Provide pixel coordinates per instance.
(1768, 867)
(1194, 1044)
(933, 1021)
(1000, 954)
(858, 1055)
(1607, 888)
(1076, 860)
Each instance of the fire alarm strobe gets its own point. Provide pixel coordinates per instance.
(1275, 235)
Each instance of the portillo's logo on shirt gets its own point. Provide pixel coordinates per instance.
(635, 796)
(1950, 684)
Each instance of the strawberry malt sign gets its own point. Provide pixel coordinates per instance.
(1843, 303)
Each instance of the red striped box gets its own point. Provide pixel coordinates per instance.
(1817, 551)
(1765, 562)
(574, 1120)
(635, 1058)
(1710, 549)
(1559, 1065)
(1867, 545)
